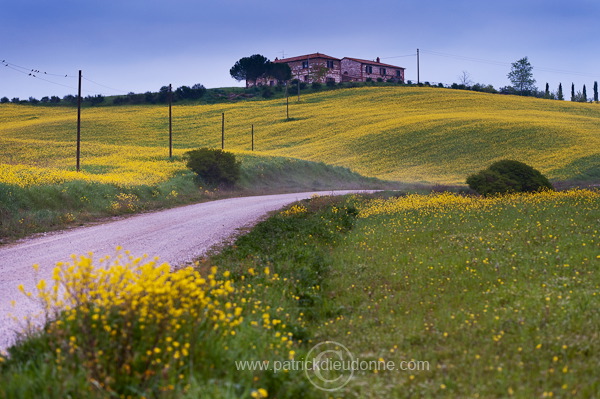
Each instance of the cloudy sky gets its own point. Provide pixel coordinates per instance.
(140, 45)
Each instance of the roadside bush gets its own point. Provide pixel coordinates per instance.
(215, 167)
(508, 176)
(267, 92)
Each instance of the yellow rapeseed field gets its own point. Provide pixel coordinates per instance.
(401, 133)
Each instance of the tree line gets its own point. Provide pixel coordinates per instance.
(194, 92)
(523, 83)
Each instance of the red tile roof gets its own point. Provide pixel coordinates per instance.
(305, 57)
(373, 63)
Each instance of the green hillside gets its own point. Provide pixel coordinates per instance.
(413, 134)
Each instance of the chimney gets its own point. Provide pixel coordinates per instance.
(378, 59)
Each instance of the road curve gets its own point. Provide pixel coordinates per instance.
(176, 235)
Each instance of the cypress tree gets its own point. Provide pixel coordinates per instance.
(595, 91)
(560, 92)
(584, 97)
(547, 94)
(572, 91)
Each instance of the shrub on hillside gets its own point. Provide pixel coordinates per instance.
(508, 176)
(215, 167)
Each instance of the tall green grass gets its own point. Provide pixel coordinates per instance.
(27, 210)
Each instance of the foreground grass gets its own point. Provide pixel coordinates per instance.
(136, 329)
(498, 297)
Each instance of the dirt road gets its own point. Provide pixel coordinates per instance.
(176, 235)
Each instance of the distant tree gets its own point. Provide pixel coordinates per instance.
(583, 98)
(198, 91)
(150, 97)
(4, 100)
(595, 91)
(70, 99)
(319, 73)
(465, 79)
(280, 71)
(560, 94)
(55, 99)
(163, 94)
(521, 76)
(33, 100)
(249, 68)
(572, 91)
(508, 90)
(15, 100)
(183, 92)
(547, 92)
(94, 100)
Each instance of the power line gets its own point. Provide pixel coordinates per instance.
(464, 58)
(106, 87)
(399, 56)
(500, 63)
(41, 75)
(33, 73)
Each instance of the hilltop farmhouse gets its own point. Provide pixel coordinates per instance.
(323, 68)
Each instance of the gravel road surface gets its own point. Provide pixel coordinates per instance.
(175, 235)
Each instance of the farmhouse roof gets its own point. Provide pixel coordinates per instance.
(373, 63)
(307, 56)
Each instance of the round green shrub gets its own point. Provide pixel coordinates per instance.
(215, 167)
(508, 176)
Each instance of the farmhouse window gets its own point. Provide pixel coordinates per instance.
(382, 71)
(369, 69)
(330, 64)
(397, 72)
(304, 64)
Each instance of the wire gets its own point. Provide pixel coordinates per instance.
(32, 74)
(500, 63)
(106, 87)
(35, 73)
(399, 56)
(460, 57)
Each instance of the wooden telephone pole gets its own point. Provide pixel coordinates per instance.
(418, 71)
(223, 131)
(79, 123)
(170, 122)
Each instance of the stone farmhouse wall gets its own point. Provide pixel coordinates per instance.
(323, 68)
(356, 70)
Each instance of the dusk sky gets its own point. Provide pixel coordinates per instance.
(140, 45)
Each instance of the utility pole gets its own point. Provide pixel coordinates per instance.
(252, 137)
(418, 71)
(79, 122)
(287, 107)
(170, 122)
(223, 131)
(298, 87)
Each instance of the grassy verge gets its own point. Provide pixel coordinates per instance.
(493, 297)
(135, 329)
(39, 208)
